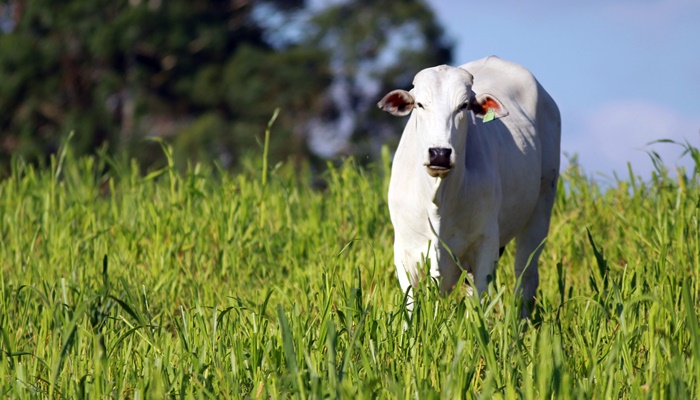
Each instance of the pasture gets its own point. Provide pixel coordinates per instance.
(206, 284)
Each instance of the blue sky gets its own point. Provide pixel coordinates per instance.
(623, 72)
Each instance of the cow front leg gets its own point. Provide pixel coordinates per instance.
(409, 260)
(449, 274)
(485, 260)
(405, 275)
(443, 268)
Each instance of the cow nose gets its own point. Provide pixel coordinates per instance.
(440, 157)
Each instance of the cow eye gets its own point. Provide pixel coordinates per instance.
(419, 105)
(463, 106)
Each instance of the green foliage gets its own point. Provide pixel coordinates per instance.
(207, 284)
(204, 75)
(118, 71)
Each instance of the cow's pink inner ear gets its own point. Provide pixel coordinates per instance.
(490, 103)
(399, 100)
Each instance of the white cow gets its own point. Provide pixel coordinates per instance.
(477, 166)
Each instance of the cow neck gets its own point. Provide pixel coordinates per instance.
(440, 190)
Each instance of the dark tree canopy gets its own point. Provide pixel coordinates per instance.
(205, 74)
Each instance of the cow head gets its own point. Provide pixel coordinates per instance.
(440, 100)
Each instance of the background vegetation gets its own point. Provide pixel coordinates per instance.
(207, 284)
(206, 75)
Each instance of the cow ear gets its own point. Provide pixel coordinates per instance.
(481, 104)
(397, 102)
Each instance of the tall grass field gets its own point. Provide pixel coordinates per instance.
(197, 283)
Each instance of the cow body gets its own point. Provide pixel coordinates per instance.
(469, 185)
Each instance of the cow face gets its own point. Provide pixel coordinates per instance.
(440, 100)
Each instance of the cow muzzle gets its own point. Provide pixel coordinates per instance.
(440, 162)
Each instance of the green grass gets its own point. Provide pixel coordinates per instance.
(204, 284)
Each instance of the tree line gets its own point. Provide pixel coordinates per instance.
(206, 75)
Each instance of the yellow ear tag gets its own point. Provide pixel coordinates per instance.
(489, 116)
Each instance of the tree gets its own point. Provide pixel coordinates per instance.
(375, 46)
(119, 70)
(206, 74)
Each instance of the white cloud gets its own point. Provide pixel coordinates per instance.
(614, 133)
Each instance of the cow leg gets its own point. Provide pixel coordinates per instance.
(449, 274)
(529, 243)
(484, 269)
(486, 259)
(409, 266)
(405, 282)
(404, 276)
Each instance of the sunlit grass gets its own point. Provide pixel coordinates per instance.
(202, 283)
